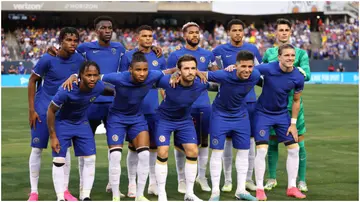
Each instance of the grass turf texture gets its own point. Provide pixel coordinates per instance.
(331, 113)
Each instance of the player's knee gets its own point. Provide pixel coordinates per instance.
(89, 160)
(162, 152)
(262, 144)
(59, 161)
(192, 160)
(142, 150)
(192, 151)
(131, 147)
(161, 160)
(292, 146)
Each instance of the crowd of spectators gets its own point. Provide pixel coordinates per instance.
(339, 40)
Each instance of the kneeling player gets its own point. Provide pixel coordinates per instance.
(173, 115)
(72, 125)
(271, 111)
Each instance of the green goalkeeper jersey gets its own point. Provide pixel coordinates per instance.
(301, 62)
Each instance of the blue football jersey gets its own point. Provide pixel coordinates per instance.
(227, 53)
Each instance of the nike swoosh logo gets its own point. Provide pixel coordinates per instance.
(95, 51)
(228, 56)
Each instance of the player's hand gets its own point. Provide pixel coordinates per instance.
(178, 47)
(55, 145)
(33, 116)
(294, 132)
(175, 79)
(52, 51)
(230, 68)
(157, 51)
(201, 76)
(68, 84)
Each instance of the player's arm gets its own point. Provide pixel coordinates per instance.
(157, 50)
(108, 91)
(212, 64)
(40, 69)
(124, 64)
(260, 83)
(299, 86)
(213, 86)
(112, 78)
(265, 58)
(52, 109)
(33, 116)
(305, 66)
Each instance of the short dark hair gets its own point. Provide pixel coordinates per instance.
(235, 22)
(282, 21)
(86, 65)
(185, 58)
(244, 55)
(285, 46)
(138, 57)
(103, 18)
(68, 30)
(143, 27)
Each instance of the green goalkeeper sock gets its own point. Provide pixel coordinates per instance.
(302, 161)
(273, 156)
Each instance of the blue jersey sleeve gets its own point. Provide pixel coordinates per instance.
(299, 85)
(217, 76)
(112, 78)
(263, 68)
(217, 56)
(171, 61)
(162, 62)
(43, 65)
(164, 82)
(60, 97)
(81, 48)
(124, 64)
(257, 56)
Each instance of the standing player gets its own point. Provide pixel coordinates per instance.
(280, 78)
(201, 108)
(107, 55)
(125, 117)
(230, 116)
(283, 33)
(53, 71)
(149, 105)
(70, 109)
(174, 115)
(227, 53)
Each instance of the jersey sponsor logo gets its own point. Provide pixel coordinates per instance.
(155, 63)
(202, 59)
(92, 99)
(113, 50)
(162, 138)
(262, 133)
(228, 56)
(36, 140)
(215, 141)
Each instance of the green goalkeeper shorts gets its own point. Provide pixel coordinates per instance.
(300, 124)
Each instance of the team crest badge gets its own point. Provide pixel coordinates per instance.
(36, 140)
(215, 142)
(155, 63)
(162, 138)
(113, 50)
(202, 59)
(92, 99)
(115, 138)
(262, 133)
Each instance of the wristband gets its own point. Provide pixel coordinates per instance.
(293, 121)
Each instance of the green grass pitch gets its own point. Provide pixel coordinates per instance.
(331, 113)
